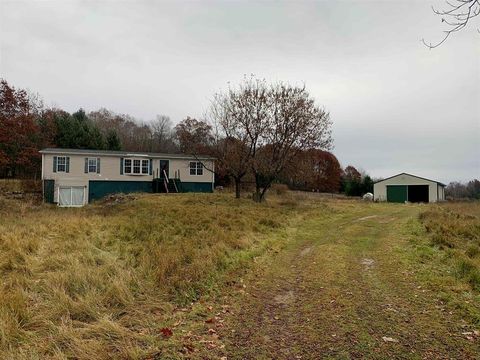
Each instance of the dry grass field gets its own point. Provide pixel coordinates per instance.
(206, 276)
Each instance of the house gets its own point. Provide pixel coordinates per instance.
(74, 177)
(406, 187)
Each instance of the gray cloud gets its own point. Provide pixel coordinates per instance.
(396, 105)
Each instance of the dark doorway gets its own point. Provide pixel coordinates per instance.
(418, 193)
(164, 168)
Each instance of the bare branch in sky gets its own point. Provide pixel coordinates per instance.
(456, 16)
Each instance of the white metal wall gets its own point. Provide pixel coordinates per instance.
(380, 188)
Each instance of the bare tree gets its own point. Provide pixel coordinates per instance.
(162, 134)
(456, 16)
(270, 124)
(240, 118)
(294, 124)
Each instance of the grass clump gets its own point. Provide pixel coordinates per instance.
(455, 228)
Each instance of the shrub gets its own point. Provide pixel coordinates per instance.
(279, 189)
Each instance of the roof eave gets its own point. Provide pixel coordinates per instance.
(120, 154)
(418, 177)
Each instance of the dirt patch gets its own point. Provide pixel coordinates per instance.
(386, 220)
(286, 298)
(367, 263)
(306, 251)
(367, 217)
(114, 199)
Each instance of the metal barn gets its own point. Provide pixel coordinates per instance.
(405, 187)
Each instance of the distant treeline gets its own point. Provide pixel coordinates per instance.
(26, 126)
(457, 190)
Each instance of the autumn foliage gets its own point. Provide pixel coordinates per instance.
(18, 131)
(314, 170)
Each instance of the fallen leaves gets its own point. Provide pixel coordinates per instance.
(166, 332)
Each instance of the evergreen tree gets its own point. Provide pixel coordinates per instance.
(113, 141)
(77, 131)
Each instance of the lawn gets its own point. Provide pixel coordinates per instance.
(208, 276)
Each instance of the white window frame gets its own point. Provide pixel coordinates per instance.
(96, 165)
(197, 168)
(144, 165)
(64, 164)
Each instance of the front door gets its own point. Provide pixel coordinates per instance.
(164, 168)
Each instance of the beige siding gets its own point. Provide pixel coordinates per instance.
(182, 167)
(110, 170)
(441, 193)
(380, 188)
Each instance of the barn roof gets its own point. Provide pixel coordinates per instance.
(418, 177)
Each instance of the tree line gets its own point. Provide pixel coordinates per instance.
(26, 126)
(259, 133)
(458, 190)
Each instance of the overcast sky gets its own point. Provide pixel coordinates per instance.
(396, 105)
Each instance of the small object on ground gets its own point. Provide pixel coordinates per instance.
(368, 197)
(389, 339)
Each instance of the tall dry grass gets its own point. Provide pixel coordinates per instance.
(455, 227)
(99, 282)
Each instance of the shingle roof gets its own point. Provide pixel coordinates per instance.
(404, 173)
(122, 153)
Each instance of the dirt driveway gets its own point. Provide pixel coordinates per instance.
(345, 289)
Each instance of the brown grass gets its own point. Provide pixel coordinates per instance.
(100, 281)
(455, 228)
(20, 185)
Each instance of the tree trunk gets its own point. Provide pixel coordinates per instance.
(256, 195)
(237, 188)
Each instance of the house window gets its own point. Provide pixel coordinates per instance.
(145, 166)
(127, 166)
(196, 168)
(136, 166)
(61, 164)
(92, 165)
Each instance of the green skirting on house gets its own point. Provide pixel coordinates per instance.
(196, 187)
(100, 188)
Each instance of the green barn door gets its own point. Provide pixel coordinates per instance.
(397, 193)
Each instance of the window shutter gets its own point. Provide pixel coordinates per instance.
(54, 164)
(121, 166)
(150, 164)
(98, 165)
(86, 165)
(67, 164)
